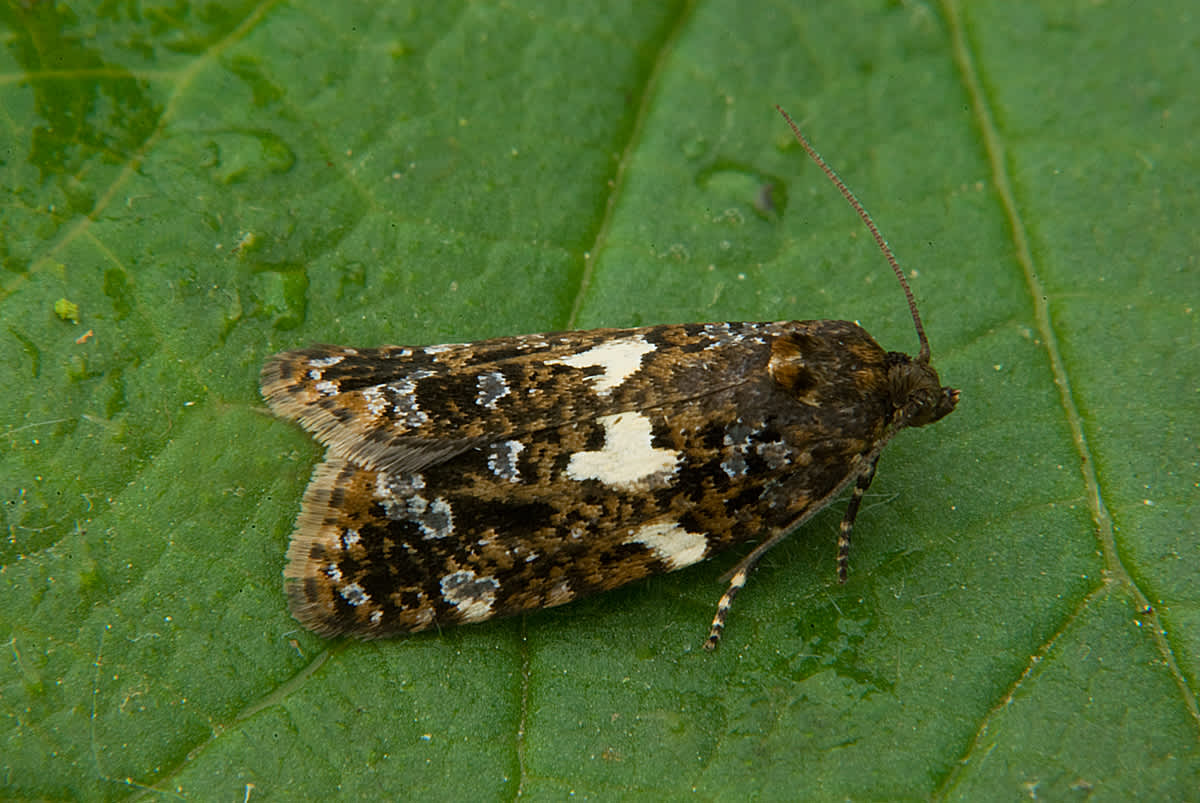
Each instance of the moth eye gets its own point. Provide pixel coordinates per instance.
(925, 407)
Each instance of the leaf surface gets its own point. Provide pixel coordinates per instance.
(211, 184)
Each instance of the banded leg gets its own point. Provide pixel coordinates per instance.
(718, 624)
(847, 527)
(737, 578)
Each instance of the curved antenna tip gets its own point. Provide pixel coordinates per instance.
(923, 356)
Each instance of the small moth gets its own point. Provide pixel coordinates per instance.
(468, 481)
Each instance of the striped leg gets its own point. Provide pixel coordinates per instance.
(743, 569)
(718, 625)
(860, 488)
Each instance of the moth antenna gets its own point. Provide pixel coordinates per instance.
(923, 357)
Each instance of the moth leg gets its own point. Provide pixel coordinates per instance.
(735, 585)
(737, 578)
(847, 527)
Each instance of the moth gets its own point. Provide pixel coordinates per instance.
(468, 481)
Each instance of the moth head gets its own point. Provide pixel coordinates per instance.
(917, 391)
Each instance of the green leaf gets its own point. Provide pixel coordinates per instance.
(213, 183)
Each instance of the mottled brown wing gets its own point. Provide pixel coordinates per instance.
(544, 515)
(402, 408)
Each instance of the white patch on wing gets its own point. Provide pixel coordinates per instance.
(629, 457)
(502, 460)
(492, 387)
(620, 359)
(399, 494)
(435, 518)
(738, 437)
(672, 544)
(403, 393)
(354, 594)
(472, 596)
(394, 488)
(373, 398)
